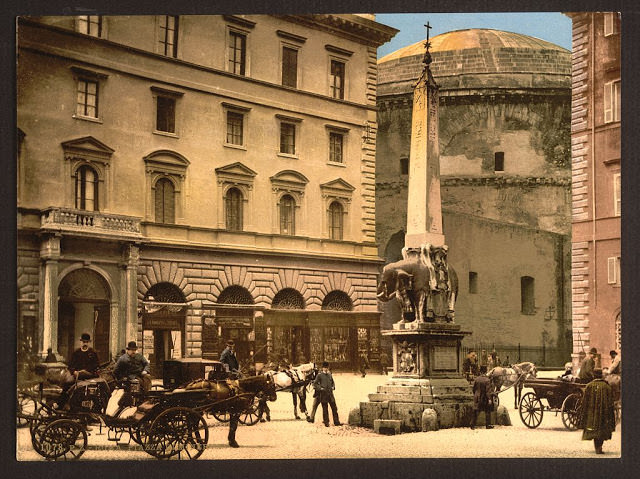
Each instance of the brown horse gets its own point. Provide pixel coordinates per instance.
(512, 376)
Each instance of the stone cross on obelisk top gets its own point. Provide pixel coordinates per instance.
(424, 208)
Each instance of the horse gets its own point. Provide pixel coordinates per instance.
(512, 376)
(296, 380)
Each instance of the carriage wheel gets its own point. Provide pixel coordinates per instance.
(222, 416)
(571, 411)
(531, 410)
(41, 419)
(25, 410)
(251, 415)
(139, 433)
(63, 438)
(178, 431)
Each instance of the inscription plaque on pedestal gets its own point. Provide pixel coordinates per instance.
(445, 358)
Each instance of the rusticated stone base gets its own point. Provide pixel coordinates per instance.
(406, 399)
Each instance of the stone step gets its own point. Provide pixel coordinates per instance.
(404, 389)
(412, 398)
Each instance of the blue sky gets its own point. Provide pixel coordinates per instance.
(552, 27)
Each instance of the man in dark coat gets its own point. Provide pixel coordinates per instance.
(228, 357)
(470, 365)
(324, 386)
(587, 366)
(364, 364)
(482, 397)
(598, 417)
(84, 360)
(83, 364)
(133, 365)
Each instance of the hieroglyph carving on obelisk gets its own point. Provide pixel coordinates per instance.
(424, 208)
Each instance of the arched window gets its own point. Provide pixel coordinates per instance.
(527, 295)
(287, 215)
(337, 300)
(336, 214)
(233, 209)
(86, 188)
(288, 298)
(165, 201)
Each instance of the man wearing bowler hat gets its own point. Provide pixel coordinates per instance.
(83, 364)
(587, 367)
(84, 360)
(133, 365)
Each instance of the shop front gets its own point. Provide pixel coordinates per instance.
(163, 333)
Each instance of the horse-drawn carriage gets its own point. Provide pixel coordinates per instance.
(164, 422)
(561, 396)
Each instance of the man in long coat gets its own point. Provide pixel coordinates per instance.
(598, 419)
(482, 398)
(587, 366)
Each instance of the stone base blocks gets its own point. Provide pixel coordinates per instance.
(425, 404)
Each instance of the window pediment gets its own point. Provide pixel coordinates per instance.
(338, 188)
(166, 161)
(289, 180)
(235, 173)
(87, 148)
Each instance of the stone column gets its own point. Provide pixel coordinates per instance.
(50, 254)
(131, 256)
(424, 210)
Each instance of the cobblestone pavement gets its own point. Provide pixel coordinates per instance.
(286, 438)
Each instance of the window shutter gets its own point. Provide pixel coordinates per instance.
(611, 270)
(608, 97)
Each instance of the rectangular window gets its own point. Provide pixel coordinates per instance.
(404, 165)
(499, 161)
(610, 23)
(235, 128)
(617, 193)
(473, 282)
(166, 114)
(87, 99)
(613, 270)
(90, 25)
(168, 36)
(289, 67)
(527, 295)
(612, 101)
(288, 138)
(337, 79)
(237, 52)
(335, 147)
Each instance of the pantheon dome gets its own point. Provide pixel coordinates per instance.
(504, 145)
(478, 58)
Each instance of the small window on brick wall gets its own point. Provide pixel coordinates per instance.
(498, 164)
(473, 282)
(527, 290)
(404, 166)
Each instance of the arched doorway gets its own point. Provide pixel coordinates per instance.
(83, 306)
(163, 320)
(234, 315)
(287, 326)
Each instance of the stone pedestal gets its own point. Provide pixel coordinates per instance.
(426, 385)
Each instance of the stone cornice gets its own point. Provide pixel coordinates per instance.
(352, 27)
(486, 181)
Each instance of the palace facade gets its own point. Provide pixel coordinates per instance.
(187, 180)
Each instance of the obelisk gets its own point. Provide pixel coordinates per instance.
(424, 209)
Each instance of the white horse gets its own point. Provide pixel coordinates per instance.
(512, 376)
(296, 380)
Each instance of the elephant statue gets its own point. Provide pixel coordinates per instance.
(423, 283)
(408, 281)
